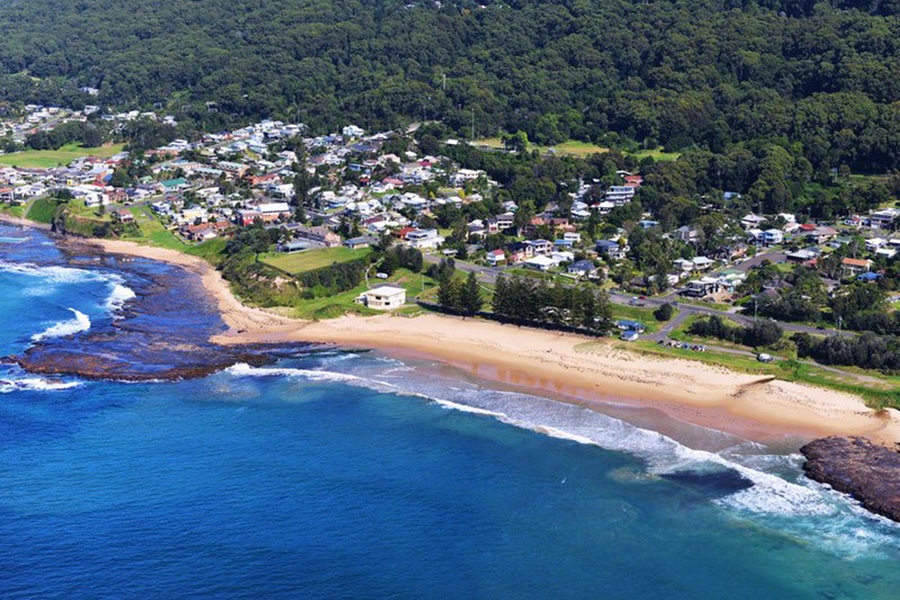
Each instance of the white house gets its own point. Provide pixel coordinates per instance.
(771, 237)
(619, 194)
(884, 218)
(496, 257)
(541, 263)
(875, 243)
(352, 131)
(424, 238)
(384, 297)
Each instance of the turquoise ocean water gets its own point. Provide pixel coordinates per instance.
(347, 474)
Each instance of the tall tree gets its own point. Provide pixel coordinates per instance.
(470, 299)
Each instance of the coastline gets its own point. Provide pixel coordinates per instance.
(20, 222)
(573, 368)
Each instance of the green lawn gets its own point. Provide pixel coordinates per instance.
(153, 232)
(581, 149)
(658, 155)
(569, 148)
(329, 307)
(45, 159)
(300, 262)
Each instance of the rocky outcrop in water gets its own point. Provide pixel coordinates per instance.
(868, 472)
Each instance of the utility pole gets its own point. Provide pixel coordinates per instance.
(444, 82)
(473, 124)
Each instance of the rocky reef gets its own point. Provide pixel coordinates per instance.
(868, 472)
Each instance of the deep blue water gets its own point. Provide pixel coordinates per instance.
(351, 475)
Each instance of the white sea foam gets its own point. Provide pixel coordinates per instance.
(119, 296)
(35, 384)
(81, 322)
(467, 409)
(53, 274)
(245, 370)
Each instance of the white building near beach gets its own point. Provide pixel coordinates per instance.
(384, 297)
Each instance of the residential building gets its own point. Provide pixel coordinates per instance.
(772, 237)
(360, 242)
(689, 235)
(619, 194)
(884, 218)
(539, 247)
(424, 238)
(611, 250)
(541, 263)
(384, 297)
(496, 258)
(583, 268)
(752, 221)
(851, 267)
(320, 235)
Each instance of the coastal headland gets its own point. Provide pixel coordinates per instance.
(572, 368)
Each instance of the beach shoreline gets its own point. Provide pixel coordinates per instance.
(586, 371)
(21, 222)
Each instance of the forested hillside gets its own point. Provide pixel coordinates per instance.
(701, 72)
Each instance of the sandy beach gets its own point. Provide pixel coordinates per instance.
(20, 222)
(583, 370)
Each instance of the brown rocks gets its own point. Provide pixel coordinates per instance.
(868, 472)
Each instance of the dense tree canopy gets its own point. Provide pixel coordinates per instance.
(721, 75)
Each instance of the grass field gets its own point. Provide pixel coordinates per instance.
(570, 148)
(657, 155)
(329, 307)
(300, 262)
(45, 159)
(582, 149)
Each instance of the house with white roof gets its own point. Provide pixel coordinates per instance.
(541, 263)
(384, 297)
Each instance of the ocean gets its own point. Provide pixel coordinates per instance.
(344, 473)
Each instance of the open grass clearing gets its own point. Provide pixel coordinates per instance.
(569, 148)
(657, 154)
(308, 260)
(45, 159)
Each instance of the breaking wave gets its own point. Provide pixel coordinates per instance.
(119, 296)
(81, 322)
(53, 274)
(245, 370)
(35, 384)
